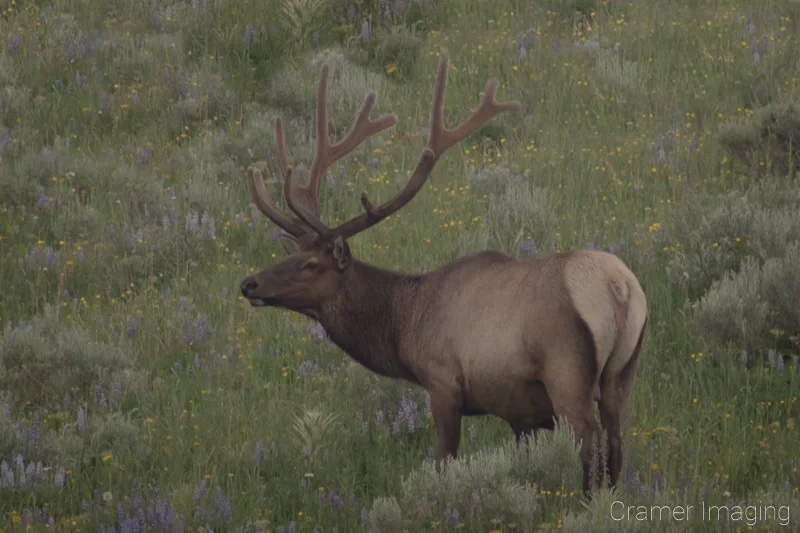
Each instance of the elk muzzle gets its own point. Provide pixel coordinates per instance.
(254, 292)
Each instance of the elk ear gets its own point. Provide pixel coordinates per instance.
(341, 253)
(289, 243)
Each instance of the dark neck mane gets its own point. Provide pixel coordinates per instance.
(369, 316)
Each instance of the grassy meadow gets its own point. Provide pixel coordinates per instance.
(140, 392)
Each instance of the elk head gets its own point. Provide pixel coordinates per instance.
(319, 256)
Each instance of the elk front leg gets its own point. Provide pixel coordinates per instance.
(447, 417)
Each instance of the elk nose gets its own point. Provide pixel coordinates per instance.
(247, 286)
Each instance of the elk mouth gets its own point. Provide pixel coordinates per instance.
(263, 302)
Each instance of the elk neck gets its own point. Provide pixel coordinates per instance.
(371, 316)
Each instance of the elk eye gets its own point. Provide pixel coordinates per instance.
(311, 265)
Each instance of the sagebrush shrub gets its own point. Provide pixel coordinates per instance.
(490, 484)
(42, 361)
(516, 211)
(772, 134)
(711, 235)
(395, 50)
(295, 90)
(746, 308)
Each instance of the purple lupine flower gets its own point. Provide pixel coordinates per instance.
(259, 453)
(316, 332)
(81, 419)
(364, 516)
(106, 102)
(6, 140)
(184, 84)
(59, 478)
(42, 198)
(660, 153)
(144, 157)
(6, 475)
(249, 35)
(374, 162)
(364, 31)
(100, 396)
(475, 500)
(351, 14)
(754, 49)
(82, 51)
(307, 368)
(13, 43)
(133, 326)
(385, 11)
(779, 365)
(116, 392)
(78, 78)
(683, 484)
(400, 8)
(528, 247)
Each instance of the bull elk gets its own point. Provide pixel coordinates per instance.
(486, 334)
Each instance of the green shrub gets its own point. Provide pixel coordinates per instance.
(747, 308)
(486, 486)
(716, 233)
(771, 135)
(43, 361)
(516, 211)
(396, 50)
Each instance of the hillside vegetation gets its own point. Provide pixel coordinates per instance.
(140, 392)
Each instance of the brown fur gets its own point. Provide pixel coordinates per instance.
(485, 334)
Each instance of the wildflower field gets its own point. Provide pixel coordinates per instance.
(140, 392)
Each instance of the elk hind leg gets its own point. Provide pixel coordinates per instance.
(615, 391)
(572, 393)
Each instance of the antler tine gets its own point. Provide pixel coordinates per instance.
(326, 154)
(442, 138)
(307, 218)
(280, 142)
(439, 141)
(260, 197)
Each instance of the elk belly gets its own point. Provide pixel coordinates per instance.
(507, 386)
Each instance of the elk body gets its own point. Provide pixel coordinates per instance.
(486, 334)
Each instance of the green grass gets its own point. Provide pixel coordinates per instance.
(114, 306)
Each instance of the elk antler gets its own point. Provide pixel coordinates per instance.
(304, 201)
(439, 140)
(262, 199)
